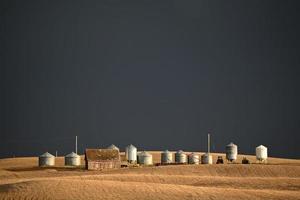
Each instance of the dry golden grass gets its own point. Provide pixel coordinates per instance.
(20, 178)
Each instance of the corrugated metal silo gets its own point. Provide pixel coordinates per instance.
(193, 158)
(145, 158)
(261, 153)
(180, 157)
(131, 153)
(206, 159)
(46, 159)
(166, 157)
(231, 152)
(72, 159)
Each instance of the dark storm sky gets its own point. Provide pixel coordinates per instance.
(158, 74)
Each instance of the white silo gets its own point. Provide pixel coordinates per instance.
(72, 159)
(112, 146)
(193, 158)
(145, 158)
(206, 159)
(166, 157)
(231, 152)
(46, 159)
(131, 153)
(180, 157)
(261, 153)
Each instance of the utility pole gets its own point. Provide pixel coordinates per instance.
(76, 145)
(208, 143)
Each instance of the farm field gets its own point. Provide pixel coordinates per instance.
(20, 178)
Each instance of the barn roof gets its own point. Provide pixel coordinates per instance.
(102, 154)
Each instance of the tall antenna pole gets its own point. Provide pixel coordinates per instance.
(208, 143)
(76, 145)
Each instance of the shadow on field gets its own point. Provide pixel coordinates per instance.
(24, 169)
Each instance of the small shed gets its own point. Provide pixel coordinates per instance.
(98, 159)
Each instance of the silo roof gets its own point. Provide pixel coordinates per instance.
(131, 146)
(112, 146)
(47, 155)
(261, 146)
(231, 144)
(145, 153)
(72, 155)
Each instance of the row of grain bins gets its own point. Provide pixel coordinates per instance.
(48, 159)
(145, 158)
(193, 158)
(101, 157)
(182, 158)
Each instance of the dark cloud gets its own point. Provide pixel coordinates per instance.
(159, 74)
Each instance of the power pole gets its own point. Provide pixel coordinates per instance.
(208, 143)
(76, 145)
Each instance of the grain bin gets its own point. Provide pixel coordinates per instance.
(193, 158)
(72, 159)
(166, 157)
(145, 158)
(131, 152)
(206, 159)
(112, 146)
(180, 157)
(231, 152)
(46, 159)
(261, 153)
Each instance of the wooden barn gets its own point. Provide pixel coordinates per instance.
(98, 159)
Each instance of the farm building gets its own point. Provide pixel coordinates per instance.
(98, 159)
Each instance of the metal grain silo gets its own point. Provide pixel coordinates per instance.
(231, 152)
(131, 153)
(206, 159)
(166, 157)
(193, 158)
(46, 159)
(180, 157)
(261, 153)
(72, 159)
(112, 146)
(145, 158)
